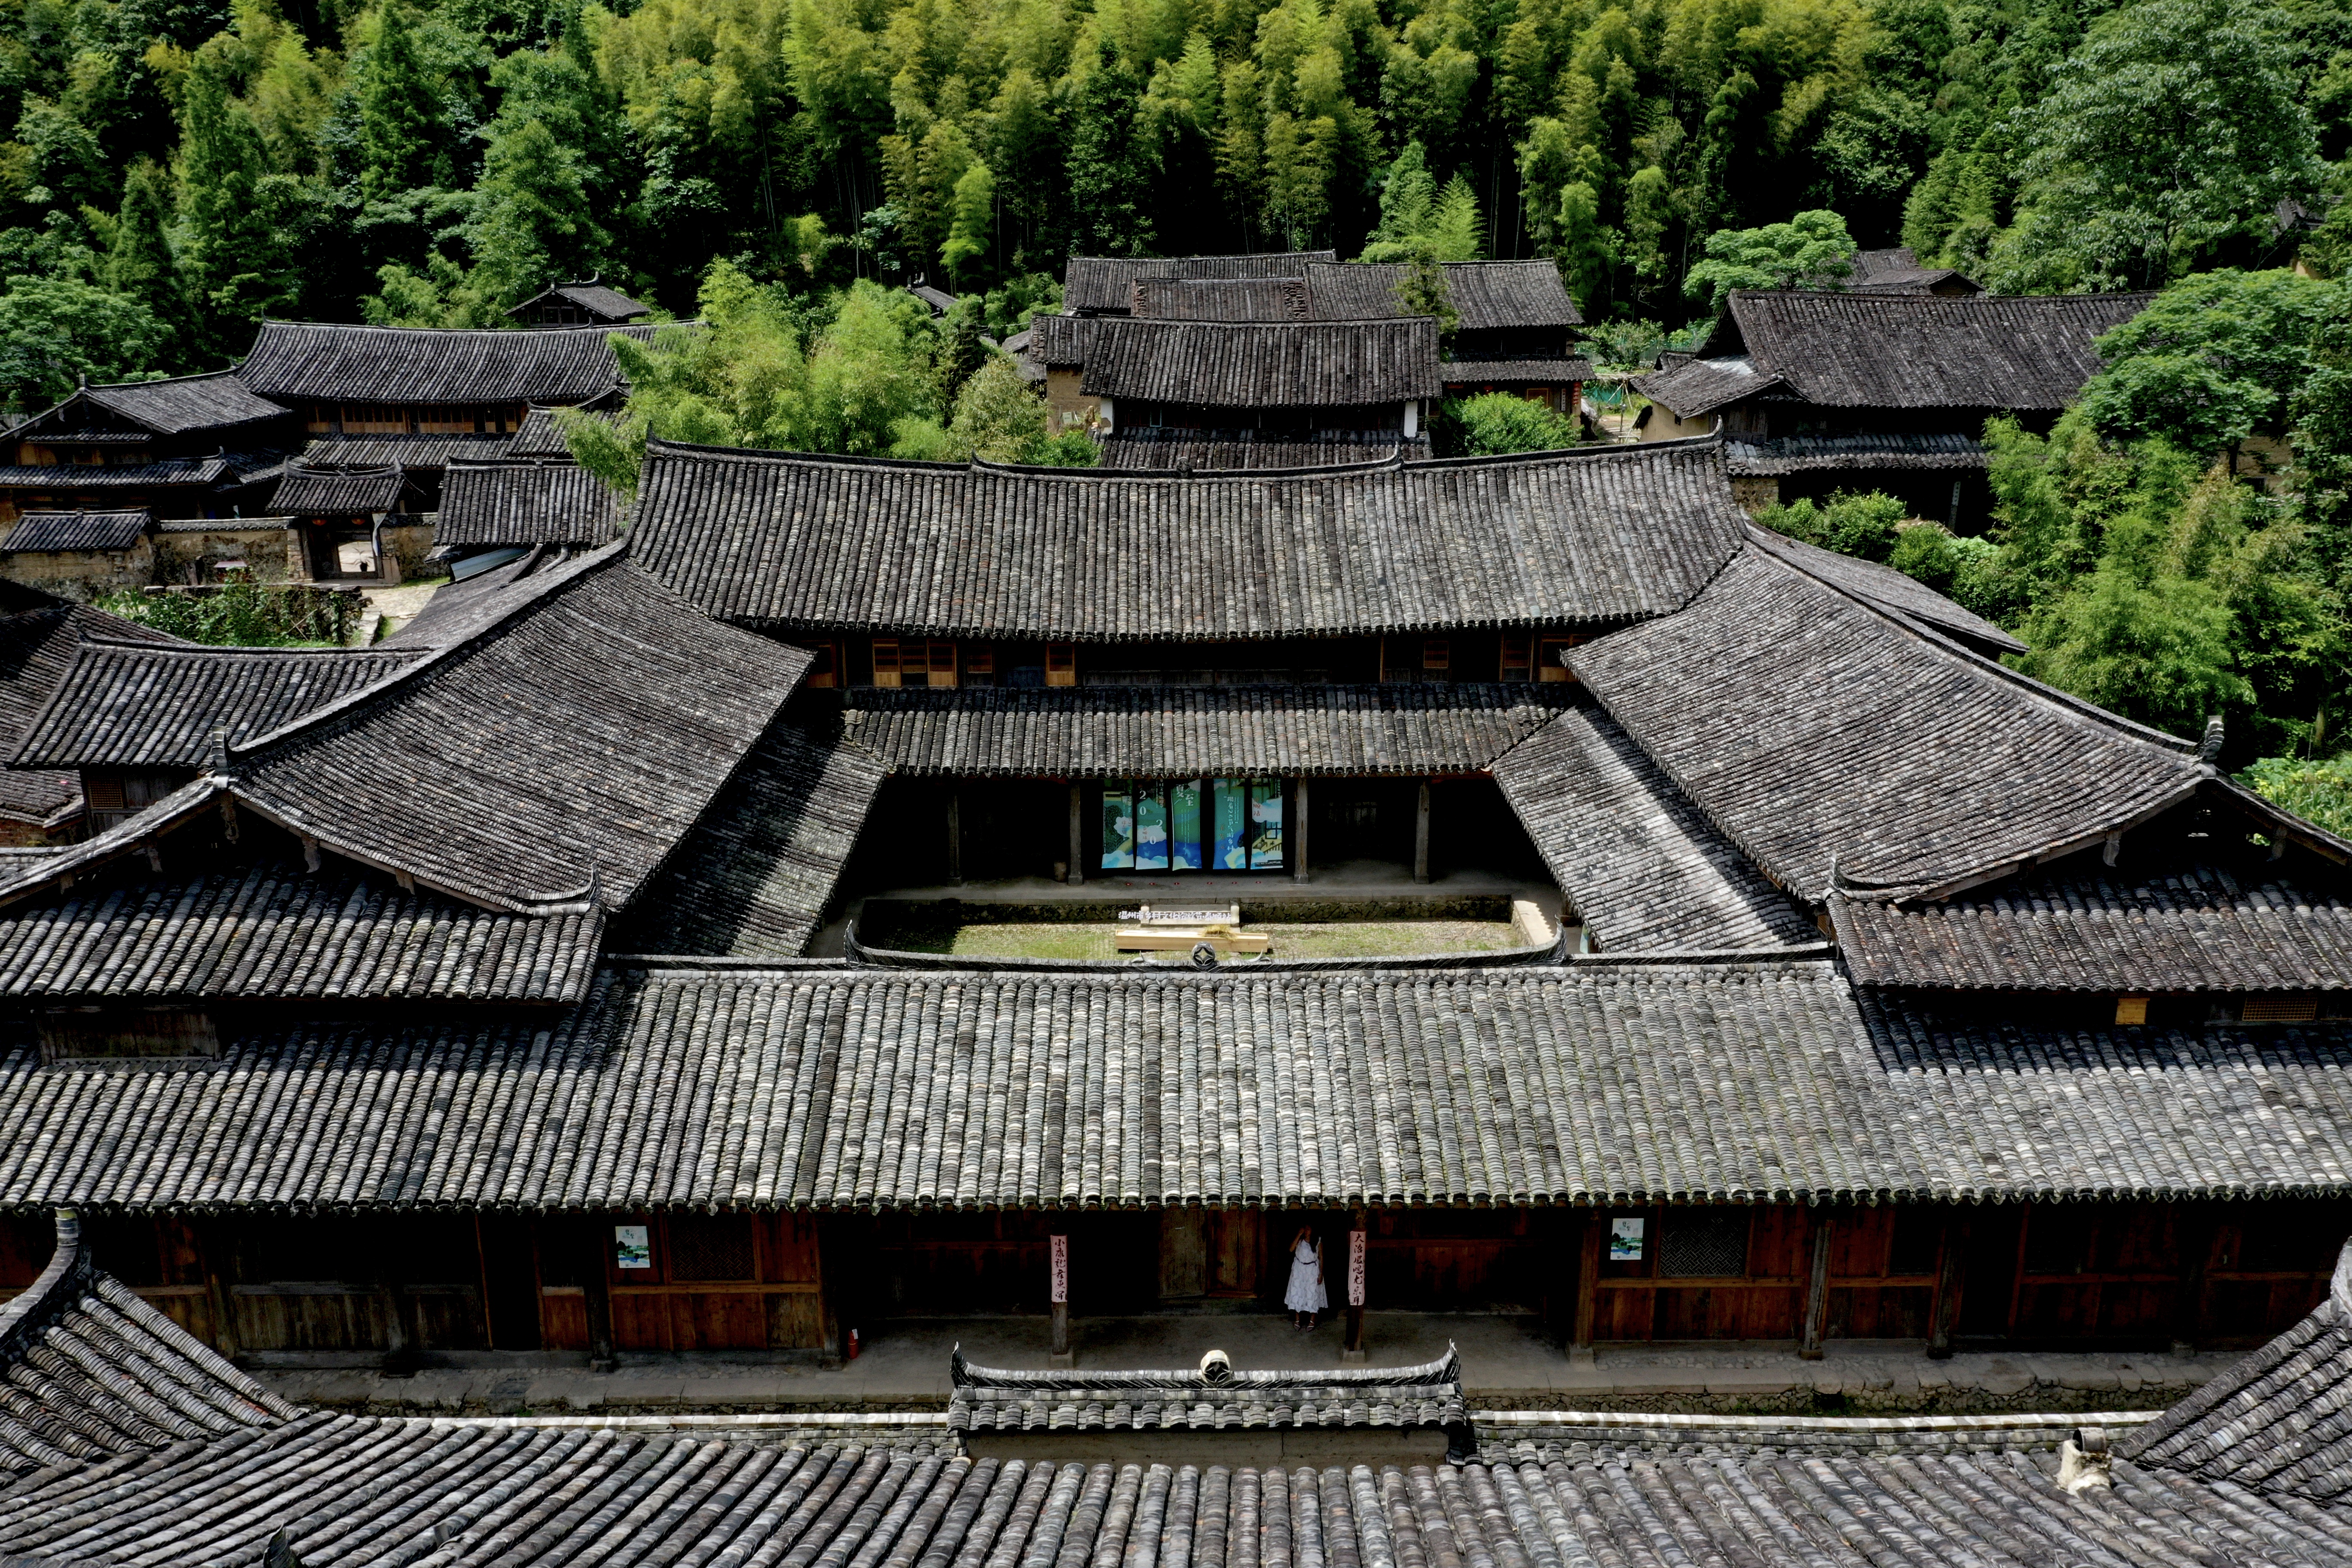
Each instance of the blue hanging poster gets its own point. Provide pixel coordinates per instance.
(1118, 828)
(1265, 825)
(1232, 808)
(1150, 827)
(1185, 824)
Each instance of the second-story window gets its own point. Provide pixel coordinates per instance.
(914, 661)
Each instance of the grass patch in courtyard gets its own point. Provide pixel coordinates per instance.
(1338, 939)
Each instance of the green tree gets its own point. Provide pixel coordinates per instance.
(971, 214)
(399, 109)
(2175, 127)
(1811, 245)
(2318, 792)
(2214, 358)
(1109, 162)
(1499, 422)
(532, 223)
(55, 333)
(1865, 525)
(999, 417)
(244, 227)
(140, 263)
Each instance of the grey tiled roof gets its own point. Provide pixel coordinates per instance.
(754, 877)
(78, 530)
(808, 1086)
(592, 294)
(2276, 1423)
(785, 540)
(1812, 729)
(147, 705)
(2176, 925)
(525, 502)
(985, 1398)
(1168, 731)
(1695, 386)
(416, 454)
(857, 1088)
(1919, 351)
(1516, 372)
(1222, 299)
(1888, 589)
(89, 1371)
(331, 362)
(1896, 271)
(281, 931)
(163, 473)
(1263, 365)
(179, 406)
(38, 647)
(309, 487)
(1165, 450)
(1485, 295)
(566, 739)
(1107, 282)
(1947, 450)
(1640, 865)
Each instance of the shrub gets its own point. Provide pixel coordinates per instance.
(1498, 422)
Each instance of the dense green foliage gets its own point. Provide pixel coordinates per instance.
(245, 613)
(1499, 422)
(435, 160)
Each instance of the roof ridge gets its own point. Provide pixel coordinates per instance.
(538, 590)
(240, 650)
(1613, 451)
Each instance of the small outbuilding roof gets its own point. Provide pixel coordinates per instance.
(1227, 299)
(525, 501)
(608, 304)
(1485, 295)
(46, 531)
(997, 1399)
(311, 488)
(1093, 284)
(176, 406)
(1942, 450)
(1218, 364)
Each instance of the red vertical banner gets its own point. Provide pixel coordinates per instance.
(1355, 1269)
(1058, 1267)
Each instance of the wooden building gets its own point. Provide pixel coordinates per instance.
(456, 995)
(586, 303)
(1511, 334)
(194, 445)
(1889, 390)
(129, 1440)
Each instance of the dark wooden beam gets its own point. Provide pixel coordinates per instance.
(1943, 1308)
(1588, 1287)
(1421, 835)
(1817, 1289)
(598, 1235)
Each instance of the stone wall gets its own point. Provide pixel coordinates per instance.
(88, 573)
(266, 545)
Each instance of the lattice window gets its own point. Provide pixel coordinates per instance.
(710, 1247)
(2289, 1007)
(1702, 1245)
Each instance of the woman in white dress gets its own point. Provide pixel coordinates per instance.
(1305, 1295)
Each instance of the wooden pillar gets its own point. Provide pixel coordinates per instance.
(213, 1245)
(597, 1235)
(1587, 1290)
(1943, 1308)
(1421, 837)
(2196, 1231)
(402, 1353)
(1817, 1289)
(1299, 833)
(1077, 834)
(955, 839)
(1355, 1267)
(1057, 1277)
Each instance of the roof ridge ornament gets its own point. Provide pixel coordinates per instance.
(2209, 750)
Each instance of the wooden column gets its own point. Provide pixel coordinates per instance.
(1057, 1277)
(1943, 1308)
(1817, 1289)
(1587, 1290)
(1077, 834)
(1421, 837)
(402, 1353)
(213, 1242)
(1351, 1349)
(955, 839)
(2195, 1231)
(1299, 833)
(596, 1235)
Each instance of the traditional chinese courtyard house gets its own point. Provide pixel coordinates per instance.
(588, 302)
(1510, 335)
(130, 1440)
(482, 999)
(1819, 391)
(197, 445)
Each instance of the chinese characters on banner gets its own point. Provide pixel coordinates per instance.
(1355, 1269)
(1058, 1267)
